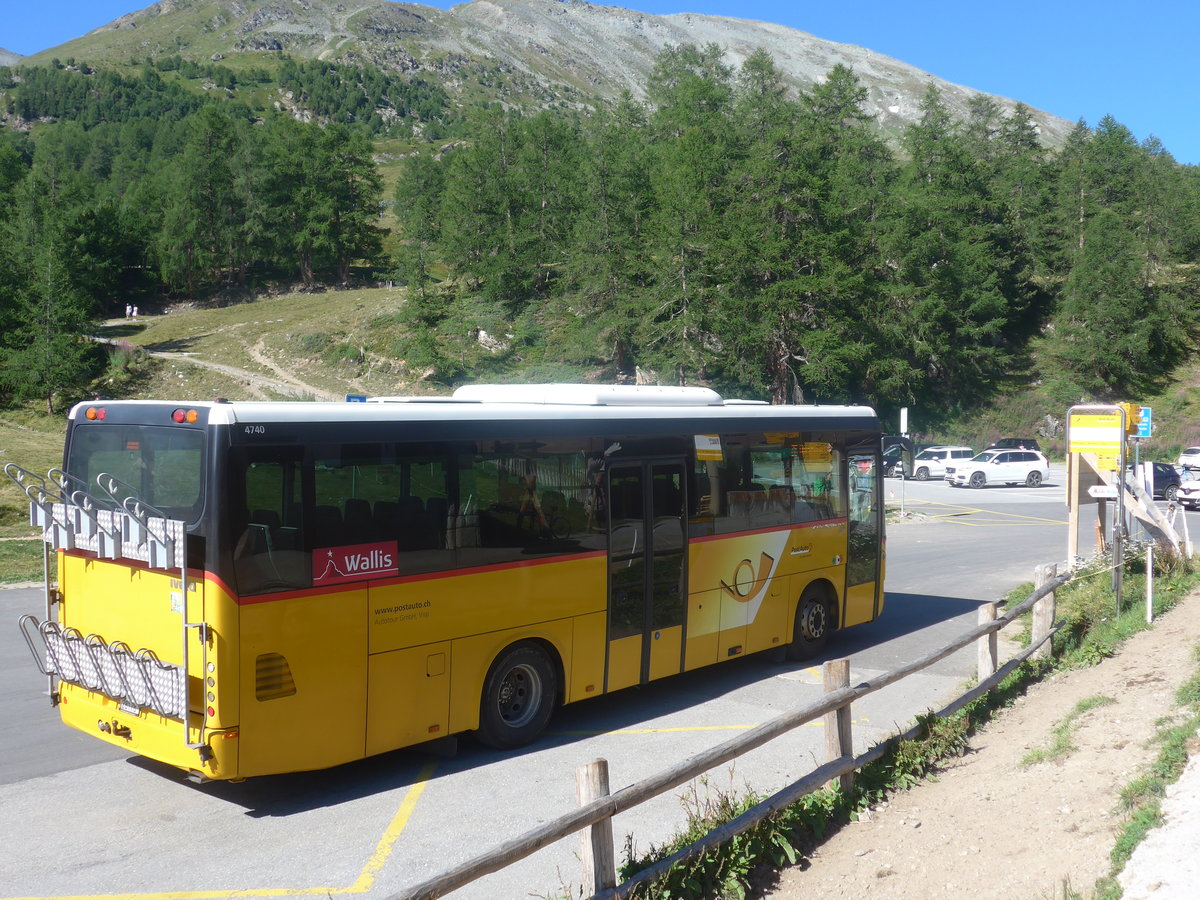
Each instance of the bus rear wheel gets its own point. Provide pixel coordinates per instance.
(518, 697)
(814, 621)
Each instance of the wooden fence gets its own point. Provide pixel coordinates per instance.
(598, 806)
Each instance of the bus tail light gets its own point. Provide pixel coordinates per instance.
(94, 413)
(190, 416)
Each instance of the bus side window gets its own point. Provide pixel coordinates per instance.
(523, 503)
(268, 555)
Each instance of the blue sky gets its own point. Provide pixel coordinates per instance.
(1076, 59)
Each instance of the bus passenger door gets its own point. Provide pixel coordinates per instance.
(646, 571)
(864, 551)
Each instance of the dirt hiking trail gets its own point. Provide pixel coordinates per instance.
(990, 825)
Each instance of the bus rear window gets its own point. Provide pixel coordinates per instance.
(164, 467)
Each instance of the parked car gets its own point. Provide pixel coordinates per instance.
(1011, 443)
(1188, 492)
(1190, 458)
(931, 462)
(896, 450)
(1004, 466)
(1167, 481)
(893, 460)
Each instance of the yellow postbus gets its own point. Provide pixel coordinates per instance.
(240, 589)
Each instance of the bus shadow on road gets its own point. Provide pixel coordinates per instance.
(919, 611)
(659, 706)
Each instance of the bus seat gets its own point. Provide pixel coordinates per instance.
(327, 526)
(410, 508)
(357, 521)
(386, 516)
(413, 524)
(293, 511)
(267, 517)
(437, 514)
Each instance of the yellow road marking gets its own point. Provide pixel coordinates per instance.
(366, 878)
(364, 882)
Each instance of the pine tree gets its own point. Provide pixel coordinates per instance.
(46, 354)
(1114, 335)
(690, 90)
(608, 263)
(952, 272)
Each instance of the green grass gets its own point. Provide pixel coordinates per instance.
(1060, 741)
(294, 333)
(21, 561)
(1141, 800)
(32, 440)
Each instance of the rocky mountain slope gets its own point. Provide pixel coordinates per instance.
(522, 52)
(8, 58)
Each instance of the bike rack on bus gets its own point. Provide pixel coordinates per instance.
(116, 526)
(146, 525)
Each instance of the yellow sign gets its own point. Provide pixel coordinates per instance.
(1099, 433)
(708, 447)
(813, 451)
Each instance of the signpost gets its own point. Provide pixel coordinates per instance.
(1100, 432)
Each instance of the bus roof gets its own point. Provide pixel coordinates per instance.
(508, 403)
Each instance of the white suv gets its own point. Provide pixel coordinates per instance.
(931, 462)
(1005, 466)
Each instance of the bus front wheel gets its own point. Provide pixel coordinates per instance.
(518, 697)
(814, 621)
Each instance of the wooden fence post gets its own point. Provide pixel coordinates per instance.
(597, 856)
(1044, 610)
(1150, 583)
(839, 738)
(988, 643)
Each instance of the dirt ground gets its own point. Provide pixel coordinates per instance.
(991, 825)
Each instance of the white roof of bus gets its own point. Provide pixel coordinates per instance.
(514, 401)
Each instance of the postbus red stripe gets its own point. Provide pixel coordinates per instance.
(410, 579)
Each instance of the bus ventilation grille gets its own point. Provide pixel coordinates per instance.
(272, 677)
(136, 679)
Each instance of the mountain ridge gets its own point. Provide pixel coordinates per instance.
(539, 52)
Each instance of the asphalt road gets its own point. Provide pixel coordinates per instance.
(84, 819)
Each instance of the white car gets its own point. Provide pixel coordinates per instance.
(1190, 458)
(1187, 494)
(931, 462)
(1000, 466)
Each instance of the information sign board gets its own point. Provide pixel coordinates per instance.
(1098, 432)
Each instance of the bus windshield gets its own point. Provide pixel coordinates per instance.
(163, 465)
